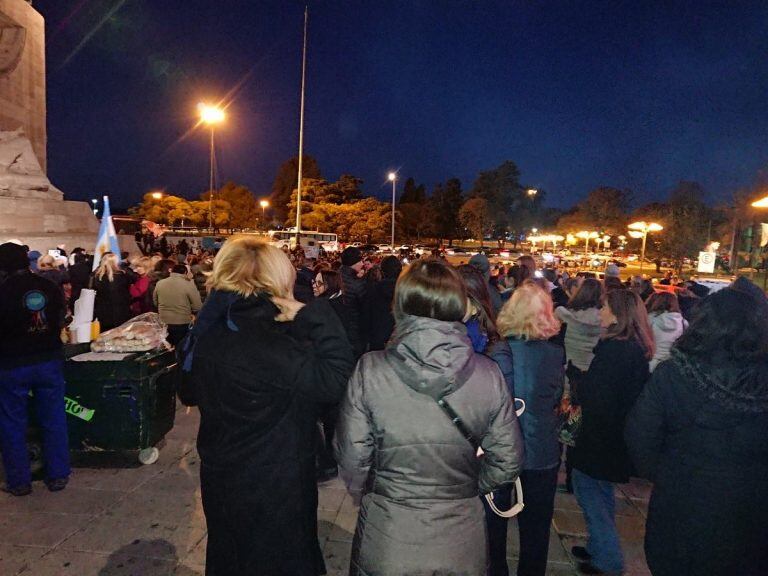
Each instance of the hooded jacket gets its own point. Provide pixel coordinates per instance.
(420, 512)
(667, 328)
(698, 432)
(581, 335)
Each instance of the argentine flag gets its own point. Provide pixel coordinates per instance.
(107, 241)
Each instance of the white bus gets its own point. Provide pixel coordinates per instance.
(311, 240)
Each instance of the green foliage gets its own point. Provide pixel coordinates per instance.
(286, 180)
(604, 210)
(444, 207)
(476, 216)
(504, 195)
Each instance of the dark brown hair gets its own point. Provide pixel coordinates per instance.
(431, 289)
(332, 281)
(477, 291)
(662, 302)
(588, 295)
(631, 320)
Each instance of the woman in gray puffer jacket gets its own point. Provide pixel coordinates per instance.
(419, 476)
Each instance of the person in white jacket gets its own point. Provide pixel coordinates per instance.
(667, 323)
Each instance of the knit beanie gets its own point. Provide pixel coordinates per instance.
(351, 256)
(13, 257)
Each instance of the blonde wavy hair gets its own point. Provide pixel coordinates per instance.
(528, 314)
(46, 262)
(108, 266)
(247, 265)
(144, 264)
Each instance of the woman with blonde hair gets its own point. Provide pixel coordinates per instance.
(261, 366)
(141, 298)
(48, 268)
(399, 441)
(528, 323)
(112, 306)
(607, 392)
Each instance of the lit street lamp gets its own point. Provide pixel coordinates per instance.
(95, 201)
(392, 177)
(640, 230)
(585, 235)
(157, 195)
(264, 204)
(532, 192)
(211, 115)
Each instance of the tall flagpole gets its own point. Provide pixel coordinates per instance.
(301, 131)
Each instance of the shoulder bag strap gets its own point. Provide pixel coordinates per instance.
(467, 433)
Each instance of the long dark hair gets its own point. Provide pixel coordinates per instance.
(727, 322)
(631, 320)
(430, 289)
(588, 295)
(477, 291)
(333, 282)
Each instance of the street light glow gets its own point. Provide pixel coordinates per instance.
(210, 114)
(646, 226)
(264, 203)
(532, 192)
(762, 203)
(157, 195)
(391, 176)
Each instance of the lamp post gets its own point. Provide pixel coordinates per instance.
(95, 201)
(210, 116)
(532, 192)
(157, 195)
(586, 235)
(264, 204)
(392, 177)
(640, 230)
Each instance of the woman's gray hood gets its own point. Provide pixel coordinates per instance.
(431, 356)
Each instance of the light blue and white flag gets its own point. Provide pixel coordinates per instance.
(107, 240)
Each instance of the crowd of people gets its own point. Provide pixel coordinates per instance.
(407, 380)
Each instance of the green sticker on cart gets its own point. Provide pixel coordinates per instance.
(72, 408)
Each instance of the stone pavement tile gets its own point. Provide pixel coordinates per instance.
(624, 506)
(172, 449)
(196, 557)
(325, 524)
(634, 555)
(181, 478)
(172, 530)
(560, 569)
(330, 495)
(337, 556)
(569, 523)
(637, 489)
(73, 500)
(122, 479)
(71, 563)
(14, 559)
(39, 529)
(346, 522)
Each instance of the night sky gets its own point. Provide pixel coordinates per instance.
(578, 93)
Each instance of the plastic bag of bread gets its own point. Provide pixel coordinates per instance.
(140, 334)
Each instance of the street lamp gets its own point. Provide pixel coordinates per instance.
(532, 192)
(210, 116)
(392, 177)
(95, 201)
(586, 235)
(762, 203)
(640, 230)
(264, 204)
(157, 195)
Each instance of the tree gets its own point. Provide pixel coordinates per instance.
(312, 190)
(604, 210)
(475, 215)
(286, 180)
(444, 207)
(244, 210)
(501, 190)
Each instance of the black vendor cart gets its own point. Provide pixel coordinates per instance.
(124, 404)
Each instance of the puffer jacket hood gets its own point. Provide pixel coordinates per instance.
(590, 316)
(740, 387)
(430, 355)
(668, 322)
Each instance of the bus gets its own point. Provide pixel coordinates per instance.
(311, 240)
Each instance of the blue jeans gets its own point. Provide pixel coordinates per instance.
(46, 381)
(597, 501)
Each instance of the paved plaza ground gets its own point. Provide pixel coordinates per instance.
(148, 520)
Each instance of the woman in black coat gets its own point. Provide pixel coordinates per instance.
(262, 365)
(112, 306)
(698, 432)
(607, 393)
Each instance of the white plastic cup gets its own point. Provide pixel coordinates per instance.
(83, 333)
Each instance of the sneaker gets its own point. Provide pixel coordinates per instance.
(57, 484)
(19, 490)
(580, 553)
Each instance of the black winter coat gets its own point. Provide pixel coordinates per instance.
(698, 431)
(259, 391)
(113, 300)
(607, 393)
(381, 321)
(355, 289)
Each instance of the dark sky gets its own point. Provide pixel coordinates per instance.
(578, 93)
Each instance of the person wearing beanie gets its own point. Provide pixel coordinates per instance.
(612, 271)
(354, 292)
(381, 321)
(480, 262)
(31, 319)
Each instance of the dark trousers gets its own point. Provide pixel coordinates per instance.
(539, 487)
(46, 382)
(533, 523)
(176, 333)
